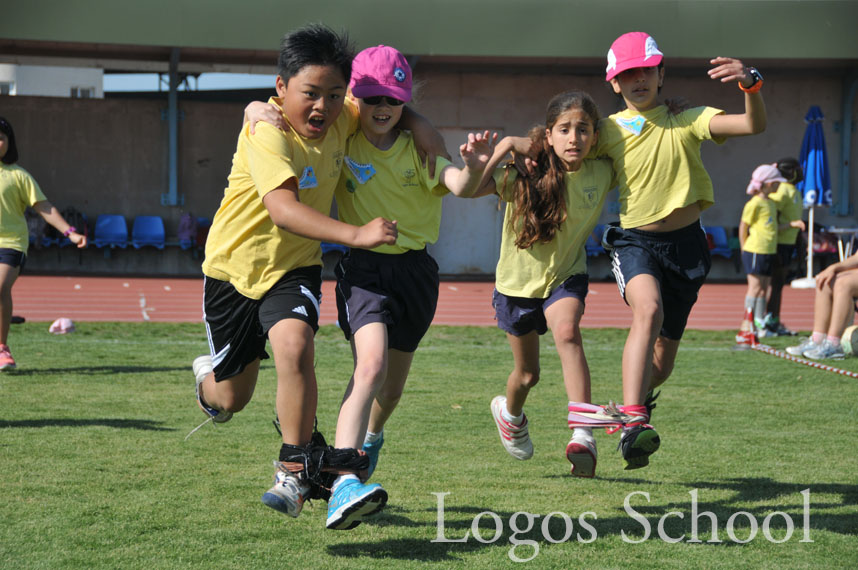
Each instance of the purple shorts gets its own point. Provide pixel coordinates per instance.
(520, 315)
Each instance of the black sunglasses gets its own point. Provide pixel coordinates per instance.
(376, 99)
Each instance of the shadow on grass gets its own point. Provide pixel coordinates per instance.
(145, 425)
(721, 523)
(110, 369)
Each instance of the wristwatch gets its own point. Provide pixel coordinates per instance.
(756, 85)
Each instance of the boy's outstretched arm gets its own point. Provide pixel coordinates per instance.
(427, 139)
(476, 153)
(289, 214)
(753, 120)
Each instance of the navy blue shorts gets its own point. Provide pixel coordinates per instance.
(399, 290)
(237, 326)
(759, 263)
(521, 315)
(679, 260)
(13, 257)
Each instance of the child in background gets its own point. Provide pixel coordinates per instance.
(833, 311)
(758, 238)
(386, 296)
(787, 200)
(18, 190)
(541, 277)
(660, 255)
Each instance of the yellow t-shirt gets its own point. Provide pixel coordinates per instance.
(244, 247)
(393, 184)
(538, 270)
(18, 189)
(656, 156)
(761, 216)
(787, 200)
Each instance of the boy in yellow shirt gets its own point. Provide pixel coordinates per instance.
(263, 259)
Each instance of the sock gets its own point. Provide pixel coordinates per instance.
(515, 420)
(760, 309)
(817, 337)
(342, 479)
(833, 340)
(582, 431)
(749, 303)
(372, 437)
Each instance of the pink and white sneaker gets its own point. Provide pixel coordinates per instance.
(581, 453)
(515, 438)
(6, 360)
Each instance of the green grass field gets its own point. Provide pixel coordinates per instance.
(96, 472)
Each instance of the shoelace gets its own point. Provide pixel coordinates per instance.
(193, 431)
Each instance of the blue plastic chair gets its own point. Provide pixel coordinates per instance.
(111, 231)
(326, 247)
(148, 230)
(719, 238)
(594, 241)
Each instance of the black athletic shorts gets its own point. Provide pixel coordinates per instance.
(13, 257)
(679, 260)
(237, 326)
(521, 315)
(399, 290)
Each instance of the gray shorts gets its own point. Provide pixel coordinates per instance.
(521, 315)
(399, 290)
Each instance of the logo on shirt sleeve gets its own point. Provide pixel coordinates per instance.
(362, 172)
(634, 126)
(308, 179)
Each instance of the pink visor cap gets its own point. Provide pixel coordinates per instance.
(381, 70)
(763, 174)
(631, 50)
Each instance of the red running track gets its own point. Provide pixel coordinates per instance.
(45, 298)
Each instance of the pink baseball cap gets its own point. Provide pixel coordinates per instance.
(381, 70)
(634, 49)
(61, 326)
(762, 174)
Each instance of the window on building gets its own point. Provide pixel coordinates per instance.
(83, 92)
(6, 88)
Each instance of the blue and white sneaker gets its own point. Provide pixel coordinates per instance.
(372, 449)
(202, 367)
(353, 501)
(826, 351)
(288, 493)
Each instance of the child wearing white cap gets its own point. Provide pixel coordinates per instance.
(660, 256)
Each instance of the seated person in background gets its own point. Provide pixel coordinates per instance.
(833, 310)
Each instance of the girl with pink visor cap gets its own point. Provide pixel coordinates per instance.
(659, 253)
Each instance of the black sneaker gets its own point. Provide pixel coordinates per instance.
(637, 444)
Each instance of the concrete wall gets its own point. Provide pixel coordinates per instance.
(110, 156)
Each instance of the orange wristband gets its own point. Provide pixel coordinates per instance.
(753, 88)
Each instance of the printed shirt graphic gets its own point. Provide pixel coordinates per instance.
(787, 201)
(538, 270)
(761, 216)
(656, 156)
(17, 191)
(244, 246)
(392, 184)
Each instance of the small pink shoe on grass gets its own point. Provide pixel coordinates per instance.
(6, 360)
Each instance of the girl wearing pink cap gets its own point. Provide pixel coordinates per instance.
(386, 296)
(659, 252)
(758, 236)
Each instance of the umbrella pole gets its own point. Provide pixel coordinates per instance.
(807, 282)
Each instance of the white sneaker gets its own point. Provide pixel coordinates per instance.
(202, 366)
(515, 438)
(288, 493)
(581, 453)
(826, 351)
(806, 345)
